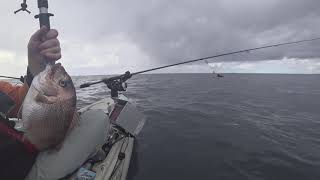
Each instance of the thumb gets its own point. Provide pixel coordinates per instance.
(38, 36)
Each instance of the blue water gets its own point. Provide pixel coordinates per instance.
(236, 127)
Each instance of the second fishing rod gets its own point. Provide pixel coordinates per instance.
(124, 77)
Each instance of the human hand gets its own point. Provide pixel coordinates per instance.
(43, 45)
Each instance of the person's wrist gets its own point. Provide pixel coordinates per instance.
(35, 66)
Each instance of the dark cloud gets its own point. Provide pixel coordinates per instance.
(167, 31)
(170, 30)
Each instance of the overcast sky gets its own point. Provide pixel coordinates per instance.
(112, 36)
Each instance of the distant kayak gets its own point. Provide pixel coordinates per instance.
(220, 75)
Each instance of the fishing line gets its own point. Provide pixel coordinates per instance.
(211, 67)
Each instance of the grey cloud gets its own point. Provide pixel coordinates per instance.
(173, 30)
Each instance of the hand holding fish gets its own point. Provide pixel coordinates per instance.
(43, 44)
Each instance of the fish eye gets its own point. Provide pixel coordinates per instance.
(63, 83)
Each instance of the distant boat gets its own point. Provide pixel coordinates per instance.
(220, 75)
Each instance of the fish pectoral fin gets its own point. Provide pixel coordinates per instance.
(45, 99)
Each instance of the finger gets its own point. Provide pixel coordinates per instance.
(55, 50)
(49, 44)
(37, 36)
(52, 34)
(53, 56)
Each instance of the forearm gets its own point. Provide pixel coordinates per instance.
(17, 93)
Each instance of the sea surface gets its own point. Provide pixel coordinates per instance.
(240, 127)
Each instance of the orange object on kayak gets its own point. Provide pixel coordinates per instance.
(16, 93)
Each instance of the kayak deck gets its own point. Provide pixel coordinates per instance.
(116, 164)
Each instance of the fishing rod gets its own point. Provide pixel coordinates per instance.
(225, 54)
(43, 16)
(117, 83)
(44, 19)
(10, 77)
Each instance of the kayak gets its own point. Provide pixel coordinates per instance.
(115, 164)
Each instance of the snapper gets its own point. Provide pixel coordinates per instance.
(49, 108)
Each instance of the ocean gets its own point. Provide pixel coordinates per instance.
(242, 126)
(239, 127)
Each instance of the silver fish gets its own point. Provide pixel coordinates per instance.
(49, 107)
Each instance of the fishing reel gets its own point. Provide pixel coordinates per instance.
(116, 84)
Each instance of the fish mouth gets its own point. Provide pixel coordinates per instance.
(56, 68)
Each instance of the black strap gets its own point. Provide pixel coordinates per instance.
(29, 77)
(6, 105)
(6, 121)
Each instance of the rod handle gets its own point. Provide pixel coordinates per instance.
(44, 19)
